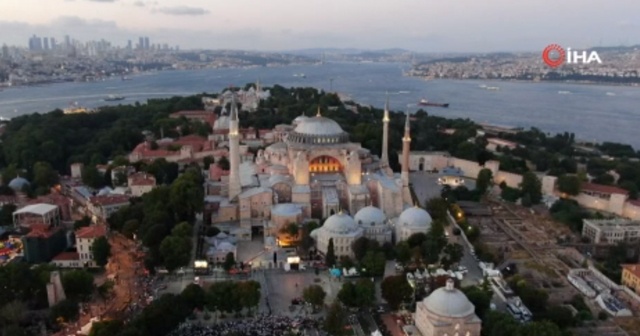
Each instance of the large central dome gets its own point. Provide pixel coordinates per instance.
(318, 130)
(449, 302)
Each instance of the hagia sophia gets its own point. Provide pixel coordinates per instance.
(310, 170)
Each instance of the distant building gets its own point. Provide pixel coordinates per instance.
(447, 311)
(631, 277)
(43, 242)
(611, 231)
(102, 206)
(34, 214)
(55, 290)
(85, 237)
(342, 229)
(141, 183)
(208, 117)
(76, 170)
(67, 260)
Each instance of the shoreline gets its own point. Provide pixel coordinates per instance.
(530, 81)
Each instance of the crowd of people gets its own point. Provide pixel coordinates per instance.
(261, 325)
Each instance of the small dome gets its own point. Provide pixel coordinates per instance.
(18, 183)
(370, 216)
(415, 217)
(449, 302)
(319, 126)
(340, 223)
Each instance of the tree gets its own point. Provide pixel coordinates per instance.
(186, 196)
(360, 247)
(101, 251)
(347, 294)
(65, 311)
(395, 290)
(130, 228)
(373, 263)
(92, 177)
(330, 258)
(416, 239)
(85, 221)
(12, 312)
(175, 252)
(531, 187)
(229, 261)
(365, 292)
(403, 252)
(336, 319)
(183, 229)
(6, 214)
(195, 296)
(569, 184)
(314, 295)
(44, 176)
(212, 231)
(249, 293)
(480, 298)
(78, 284)
(484, 180)
(106, 328)
(454, 253)
(437, 207)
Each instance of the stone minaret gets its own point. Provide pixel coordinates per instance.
(406, 147)
(234, 151)
(384, 160)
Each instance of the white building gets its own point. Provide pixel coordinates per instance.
(102, 206)
(412, 220)
(447, 311)
(342, 229)
(611, 231)
(85, 237)
(140, 183)
(374, 223)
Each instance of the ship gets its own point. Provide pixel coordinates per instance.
(424, 102)
(564, 92)
(492, 88)
(125, 78)
(114, 98)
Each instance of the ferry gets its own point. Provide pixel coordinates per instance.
(424, 102)
(564, 92)
(114, 98)
(610, 94)
(493, 88)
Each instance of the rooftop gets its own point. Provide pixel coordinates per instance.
(92, 231)
(42, 231)
(38, 209)
(103, 200)
(615, 223)
(633, 269)
(604, 189)
(65, 256)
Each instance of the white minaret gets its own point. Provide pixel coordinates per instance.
(406, 147)
(234, 151)
(384, 160)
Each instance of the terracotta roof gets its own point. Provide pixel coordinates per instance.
(41, 231)
(102, 200)
(8, 199)
(633, 269)
(92, 231)
(502, 142)
(635, 202)
(192, 113)
(142, 179)
(605, 189)
(66, 256)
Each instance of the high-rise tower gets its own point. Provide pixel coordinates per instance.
(234, 151)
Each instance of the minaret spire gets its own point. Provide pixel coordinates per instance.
(384, 160)
(318, 114)
(234, 151)
(406, 147)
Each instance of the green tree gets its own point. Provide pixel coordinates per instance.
(360, 247)
(212, 231)
(531, 187)
(373, 263)
(195, 296)
(395, 289)
(336, 319)
(403, 252)
(187, 196)
(175, 252)
(92, 177)
(65, 311)
(569, 184)
(6, 214)
(78, 284)
(480, 298)
(365, 292)
(437, 208)
(12, 312)
(85, 221)
(249, 293)
(314, 294)
(484, 180)
(130, 228)
(106, 328)
(454, 253)
(44, 176)
(101, 251)
(229, 261)
(330, 258)
(347, 294)
(183, 229)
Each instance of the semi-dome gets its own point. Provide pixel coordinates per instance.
(318, 130)
(449, 302)
(340, 223)
(18, 183)
(415, 217)
(370, 216)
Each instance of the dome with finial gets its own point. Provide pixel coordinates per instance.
(370, 216)
(18, 183)
(340, 223)
(449, 301)
(415, 217)
(318, 130)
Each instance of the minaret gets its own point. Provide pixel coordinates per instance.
(384, 160)
(234, 151)
(406, 146)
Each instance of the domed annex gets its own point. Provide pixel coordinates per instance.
(374, 223)
(18, 183)
(342, 229)
(447, 311)
(412, 220)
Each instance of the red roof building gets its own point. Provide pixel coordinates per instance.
(102, 206)
(91, 232)
(603, 189)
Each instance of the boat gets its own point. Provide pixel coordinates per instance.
(564, 92)
(125, 78)
(114, 98)
(301, 75)
(424, 102)
(482, 86)
(492, 88)
(610, 94)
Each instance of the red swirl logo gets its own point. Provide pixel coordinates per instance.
(553, 55)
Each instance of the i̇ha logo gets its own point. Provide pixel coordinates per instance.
(554, 56)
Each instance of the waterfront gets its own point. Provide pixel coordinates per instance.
(592, 112)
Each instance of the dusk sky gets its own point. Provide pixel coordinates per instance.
(418, 25)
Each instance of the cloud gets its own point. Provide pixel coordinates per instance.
(139, 4)
(102, 0)
(181, 10)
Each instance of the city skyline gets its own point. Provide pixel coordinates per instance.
(286, 25)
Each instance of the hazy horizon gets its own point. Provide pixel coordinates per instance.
(285, 25)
